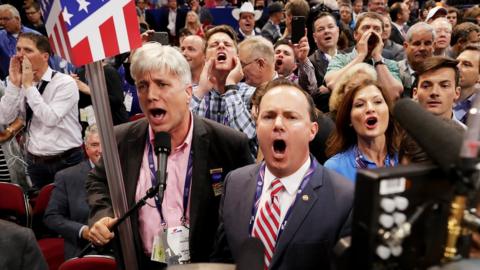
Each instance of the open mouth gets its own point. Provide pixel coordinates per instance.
(221, 56)
(279, 146)
(157, 113)
(279, 62)
(328, 38)
(371, 122)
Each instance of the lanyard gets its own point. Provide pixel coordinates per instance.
(258, 194)
(186, 188)
(361, 164)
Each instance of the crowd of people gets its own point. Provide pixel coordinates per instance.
(267, 133)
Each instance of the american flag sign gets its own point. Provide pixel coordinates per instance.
(84, 31)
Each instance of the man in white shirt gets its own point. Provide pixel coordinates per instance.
(49, 102)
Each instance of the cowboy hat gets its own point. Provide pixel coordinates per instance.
(246, 7)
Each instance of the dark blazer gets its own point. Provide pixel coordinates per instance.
(19, 248)
(241, 37)
(396, 50)
(320, 63)
(269, 31)
(314, 226)
(214, 146)
(407, 78)
(396, 36)
(67, 210)
(159, 21)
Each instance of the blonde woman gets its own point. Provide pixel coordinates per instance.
(193, 25)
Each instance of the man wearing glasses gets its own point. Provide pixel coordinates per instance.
(12, 27)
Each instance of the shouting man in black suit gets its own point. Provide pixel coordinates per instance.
(203, 152)
(296, 207)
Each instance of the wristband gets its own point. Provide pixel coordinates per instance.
(231, 87)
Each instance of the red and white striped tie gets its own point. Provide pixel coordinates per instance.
(268, 220)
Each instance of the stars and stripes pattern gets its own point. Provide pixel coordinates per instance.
(84, 31)
(268, 221)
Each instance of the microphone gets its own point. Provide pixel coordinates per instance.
(251, 255)
(439, 140)
(162, 146)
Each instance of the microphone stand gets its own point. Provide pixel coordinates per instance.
(151, 192)
(467, 186)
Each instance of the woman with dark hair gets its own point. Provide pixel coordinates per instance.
(365, 135)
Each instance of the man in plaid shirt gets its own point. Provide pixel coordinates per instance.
(219, 95)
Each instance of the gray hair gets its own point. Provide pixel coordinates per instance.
(154, 56)
(259, 46)
(10, 8)
(419, 27)
(92, 129)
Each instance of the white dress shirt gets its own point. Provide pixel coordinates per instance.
(287, 196)
(54, 127)
(172, 18)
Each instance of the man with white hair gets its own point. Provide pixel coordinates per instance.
(418, 48)
(203, 153)
(443, 35)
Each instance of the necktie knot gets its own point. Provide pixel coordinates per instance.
(276, 187)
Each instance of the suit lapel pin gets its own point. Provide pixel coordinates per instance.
(305, 198)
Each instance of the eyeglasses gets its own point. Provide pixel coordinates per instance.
(244, 65)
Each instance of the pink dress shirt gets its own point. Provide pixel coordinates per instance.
(172, 206)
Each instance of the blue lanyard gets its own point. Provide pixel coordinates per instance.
(186, 189)
(361, 164)
(258, 194)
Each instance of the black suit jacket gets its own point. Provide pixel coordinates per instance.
(214, 146)
(396, 36)
(159, 22)
(19, 249)
(269, 31)
(67, 210)
(317, 220)
(320, 63)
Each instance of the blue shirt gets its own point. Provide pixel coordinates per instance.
(347, 163)
(8, 48)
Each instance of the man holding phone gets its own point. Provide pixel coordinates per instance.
(298, 10)
(368, 48)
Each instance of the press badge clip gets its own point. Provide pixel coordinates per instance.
(217, 184)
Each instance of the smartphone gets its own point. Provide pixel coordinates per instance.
(160, 37)
(298, 28)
